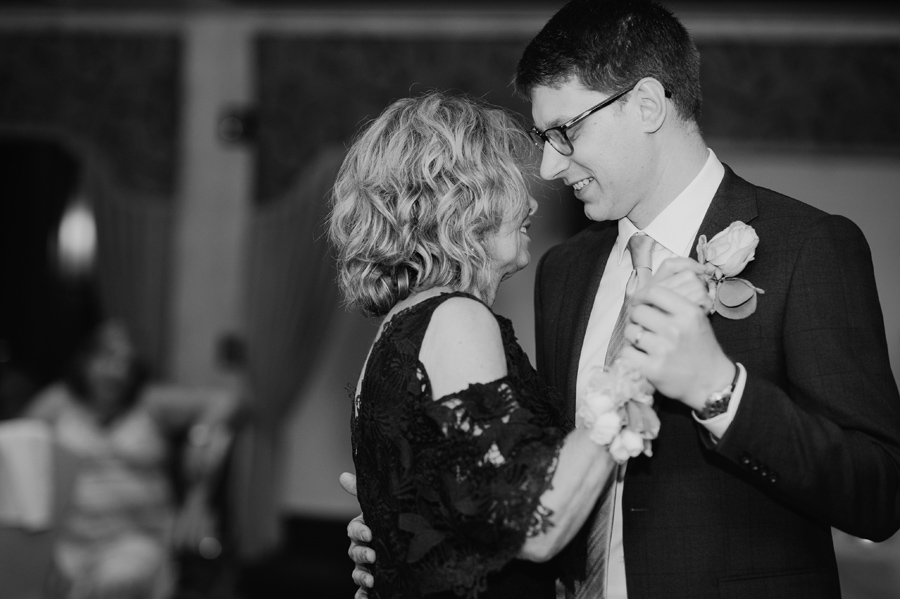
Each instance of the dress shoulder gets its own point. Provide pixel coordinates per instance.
(464, 310)
(461, 346)
(451, 485)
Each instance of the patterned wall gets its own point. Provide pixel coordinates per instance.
(120, 92)
(805, 95)
(112, 99)
(316, 91)
(810, 95)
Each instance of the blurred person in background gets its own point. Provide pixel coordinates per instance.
(17, 387)
(118, 536)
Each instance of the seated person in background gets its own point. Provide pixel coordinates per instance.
(462, 459)
(116, 538)
(17, 387)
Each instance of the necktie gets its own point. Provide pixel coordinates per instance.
(640, 246)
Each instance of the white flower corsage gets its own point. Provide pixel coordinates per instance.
(616, 404)
(729, 252)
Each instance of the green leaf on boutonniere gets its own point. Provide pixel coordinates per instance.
(736, 298)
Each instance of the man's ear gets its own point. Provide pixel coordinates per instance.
(654, 109)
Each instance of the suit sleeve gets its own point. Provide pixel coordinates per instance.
(826, 439)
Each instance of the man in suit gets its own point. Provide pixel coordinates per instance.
(774, 427)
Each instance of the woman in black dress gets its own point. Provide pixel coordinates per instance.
(465, 475)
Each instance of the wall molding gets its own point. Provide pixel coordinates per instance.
(494, 23)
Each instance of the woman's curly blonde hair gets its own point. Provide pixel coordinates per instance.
(420, 189)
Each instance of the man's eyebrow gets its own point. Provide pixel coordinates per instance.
(554, 123)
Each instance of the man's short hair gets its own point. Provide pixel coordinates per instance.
(609, 45)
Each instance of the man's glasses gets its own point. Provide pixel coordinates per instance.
(556, 136)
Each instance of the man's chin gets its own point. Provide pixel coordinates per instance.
(595, 213)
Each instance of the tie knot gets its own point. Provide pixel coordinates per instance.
(640, 246)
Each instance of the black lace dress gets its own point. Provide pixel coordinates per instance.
(451, 486)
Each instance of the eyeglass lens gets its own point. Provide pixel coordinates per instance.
(555, 137)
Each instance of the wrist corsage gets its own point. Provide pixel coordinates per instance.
(729, 252)
(616, 404)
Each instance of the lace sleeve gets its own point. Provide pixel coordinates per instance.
(491, 462)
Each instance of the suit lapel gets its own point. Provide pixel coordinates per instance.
(735, 200)
(582, 282)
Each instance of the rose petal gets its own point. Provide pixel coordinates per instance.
(732, 248)
(627, 444)
(605, 428)
(737, 261)
(599, 401)
(701, 249)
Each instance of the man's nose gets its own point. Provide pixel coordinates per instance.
(552, 163)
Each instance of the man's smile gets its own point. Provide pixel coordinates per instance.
(579, 185)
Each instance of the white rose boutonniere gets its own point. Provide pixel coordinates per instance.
(729, 252)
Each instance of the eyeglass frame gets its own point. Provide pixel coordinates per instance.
(539, 138)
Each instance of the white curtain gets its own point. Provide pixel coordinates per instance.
(134, 240)
(292, 297)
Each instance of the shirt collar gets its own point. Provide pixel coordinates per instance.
(676, 226)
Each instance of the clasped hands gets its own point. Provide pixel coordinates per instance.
(669, 336)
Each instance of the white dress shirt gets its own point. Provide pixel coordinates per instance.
(675, 231)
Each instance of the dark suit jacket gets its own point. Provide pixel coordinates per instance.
(816, 439)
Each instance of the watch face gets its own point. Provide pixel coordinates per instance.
(715, 407)
(716, 404)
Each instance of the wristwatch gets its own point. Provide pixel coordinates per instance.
(717, 402)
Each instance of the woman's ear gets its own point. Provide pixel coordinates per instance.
(654, 109)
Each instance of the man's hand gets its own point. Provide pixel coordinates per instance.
(360, 535)
(688, 278)
(670, 337)
(348, 482)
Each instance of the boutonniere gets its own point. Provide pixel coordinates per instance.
(616, 404)
(729, 252)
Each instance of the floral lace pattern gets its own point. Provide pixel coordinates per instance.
(450, 486)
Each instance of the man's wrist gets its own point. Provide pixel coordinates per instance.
(716, 403)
